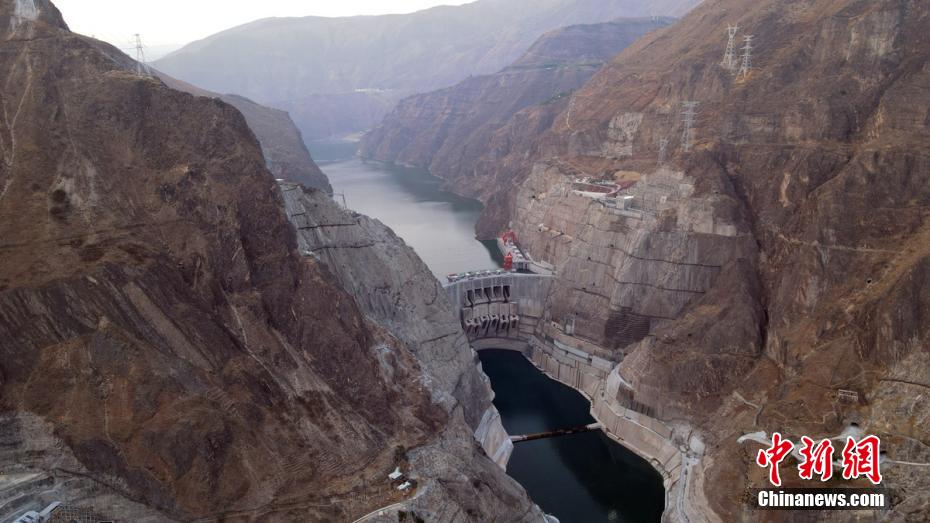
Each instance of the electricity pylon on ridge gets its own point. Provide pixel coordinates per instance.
(688, 113)
(141, 68)
(746, 66)
(729, 56)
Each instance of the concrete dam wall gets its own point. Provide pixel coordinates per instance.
(507, 306)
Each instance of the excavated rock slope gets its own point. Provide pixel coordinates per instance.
(395, 288)
(450, 130)
(165, 352)
(782, 260)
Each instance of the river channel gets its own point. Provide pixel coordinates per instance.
(578, 478)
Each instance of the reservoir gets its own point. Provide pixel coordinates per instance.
(578, 478)
(439, 225)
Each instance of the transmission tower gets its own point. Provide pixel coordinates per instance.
(663, 150)
(141, 68)
(747, 58)
(688, 113)
(729, 57)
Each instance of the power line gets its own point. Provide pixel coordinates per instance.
(663, 150)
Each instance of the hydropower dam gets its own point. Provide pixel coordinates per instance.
(543, 379)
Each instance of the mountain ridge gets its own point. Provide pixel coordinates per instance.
(398, 54)
(282, 144)
(451, 131)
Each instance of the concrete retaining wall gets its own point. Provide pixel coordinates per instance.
(493, 438)
(648, 437)
(575, 368)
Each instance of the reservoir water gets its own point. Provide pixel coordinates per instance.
(579, 478)
(438, 224)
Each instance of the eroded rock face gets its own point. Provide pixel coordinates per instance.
(285, 153)
(165, 352)
(780, 262)
(282, 144)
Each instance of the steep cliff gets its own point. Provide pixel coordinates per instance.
(396, 289)
(448, 131)
(293, 63)
(282, 144)
(773, 275)
(165, 351)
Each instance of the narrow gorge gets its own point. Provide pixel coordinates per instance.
(587, 259)
(737, 250)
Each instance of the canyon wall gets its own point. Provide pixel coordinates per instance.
(452, 131)
(396, 289)
(283, 146)
(759, 280)
(766, 272)
(166, 352)
(338, 115)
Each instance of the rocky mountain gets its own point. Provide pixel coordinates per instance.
(290, 62)
(449, 131)
(282, 144)
(765, 272)
(170, 350)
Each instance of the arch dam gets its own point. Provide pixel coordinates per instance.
(508, 311)
(500, 307)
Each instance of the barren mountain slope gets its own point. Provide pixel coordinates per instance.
(448, 130)
(304, 65)
(165, 351)
(282, 145)
(782, 260)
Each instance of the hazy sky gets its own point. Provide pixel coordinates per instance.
(172, 22)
